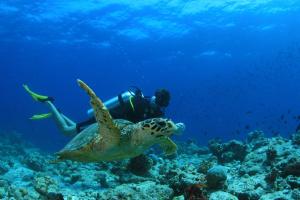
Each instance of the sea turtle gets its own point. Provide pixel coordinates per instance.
(108, 139)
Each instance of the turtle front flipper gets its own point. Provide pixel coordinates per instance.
(168, 146)
(108, 129)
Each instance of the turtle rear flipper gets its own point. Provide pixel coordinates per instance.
(108, 129)
(168, 146)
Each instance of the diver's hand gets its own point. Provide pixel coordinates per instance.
(180, 128)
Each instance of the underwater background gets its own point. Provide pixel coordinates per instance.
(232, 66)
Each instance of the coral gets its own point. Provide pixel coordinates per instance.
(256, 139)
(45, 185)
(106, 180)
(222, 196)
(175, 181)
(271, 154)
(247, 187)
(238, 148)
(34, 161)
(17, 193)
(18, 175)
(228, 152)
(190, 148)
(275, 196)
(145, 190)
(281, 184)
(215, 147)
(296, 194)
(294, 182)
(272, 176)
(11, 144)
(216, 177)
(255, 136)
(55, 196)
(204, 166)
(291, 168)
(296, 138)
(3, 188)
(195, 192)
(74, 178)
(4, 167)
(269, 171)
(181, 197)
(140, 165)
(253, 170)
(178, 178)
(2, 192)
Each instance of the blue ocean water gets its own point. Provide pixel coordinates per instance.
(232, 66)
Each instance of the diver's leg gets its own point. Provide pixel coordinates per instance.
(67, 126)
(68, 120)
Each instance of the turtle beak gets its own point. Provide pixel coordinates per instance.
(180, 128)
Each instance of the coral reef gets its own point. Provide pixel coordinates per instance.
(296, 138)
(205, 165)
(140, 165)
(261, 169)
(216, 177)
(228, 152)
(271, 154)
(256, 139)
(222, 195)
(145, 190)
(195, 191)
(33, 161)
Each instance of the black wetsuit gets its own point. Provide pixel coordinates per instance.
(142, 109)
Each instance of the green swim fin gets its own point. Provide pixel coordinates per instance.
(35, 96)
(40, 116)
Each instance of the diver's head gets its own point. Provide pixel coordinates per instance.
(162, 97)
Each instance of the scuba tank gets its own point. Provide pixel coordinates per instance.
(118, 100)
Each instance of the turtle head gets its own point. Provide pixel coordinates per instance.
(159, 128)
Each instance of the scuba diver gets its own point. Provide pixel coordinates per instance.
(131, 105)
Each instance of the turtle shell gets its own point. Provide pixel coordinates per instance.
(82, 139)
(122, 123)
(87, 135)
